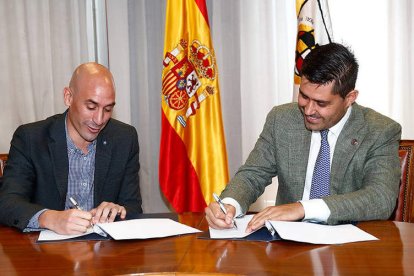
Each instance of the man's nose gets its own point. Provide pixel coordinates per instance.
(309, 108)
(98, 117)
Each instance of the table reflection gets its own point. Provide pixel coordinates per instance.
(393, 254)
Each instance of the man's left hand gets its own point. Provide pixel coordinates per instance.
(286, 212)
(107, 212)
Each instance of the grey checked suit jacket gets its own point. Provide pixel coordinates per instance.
(365, 170)
(36, 174)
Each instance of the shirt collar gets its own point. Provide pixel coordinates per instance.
(71, 145)
(336, 129)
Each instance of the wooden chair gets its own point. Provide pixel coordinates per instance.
(3, 159)
(404, 211)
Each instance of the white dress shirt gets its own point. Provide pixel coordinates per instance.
(315, 209)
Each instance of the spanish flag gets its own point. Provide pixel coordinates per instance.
(314, 28)
(193, 159)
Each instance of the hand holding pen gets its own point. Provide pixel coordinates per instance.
(223, 208)
(76, 205)
(66, 222)
(97, 230)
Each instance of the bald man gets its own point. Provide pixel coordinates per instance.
(74, 169)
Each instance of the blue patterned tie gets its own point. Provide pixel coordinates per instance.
(322, 171)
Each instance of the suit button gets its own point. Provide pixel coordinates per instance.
(15, 222)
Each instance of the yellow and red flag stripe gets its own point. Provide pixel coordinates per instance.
(193, 159)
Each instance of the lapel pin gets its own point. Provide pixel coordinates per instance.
(354, 142)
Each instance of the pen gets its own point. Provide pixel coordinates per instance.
(223, 209)
(75, 203)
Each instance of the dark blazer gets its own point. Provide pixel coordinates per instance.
(365, 170)
(36, 175)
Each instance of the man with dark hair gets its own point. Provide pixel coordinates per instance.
(335, 160)
(81, 158)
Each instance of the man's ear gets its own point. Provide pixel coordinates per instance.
(67, 96)
(351, 97)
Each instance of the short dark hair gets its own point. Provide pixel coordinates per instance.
(332, 62)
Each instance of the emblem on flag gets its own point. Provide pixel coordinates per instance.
(304, 44)
(186, 82)
(314, 28)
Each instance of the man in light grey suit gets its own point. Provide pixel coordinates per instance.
(82, 155)
(364, 164)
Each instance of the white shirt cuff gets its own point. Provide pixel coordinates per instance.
(235, 204)
(315, 210)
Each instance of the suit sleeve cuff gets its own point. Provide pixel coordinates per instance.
(316, 210)
(33, 224)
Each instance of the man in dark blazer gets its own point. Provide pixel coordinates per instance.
(364, 164)
(82, 157)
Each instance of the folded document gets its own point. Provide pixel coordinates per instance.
(296, 231)
(129, 229)
(320, 233)
(239, 233)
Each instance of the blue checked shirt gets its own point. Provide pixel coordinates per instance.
(80, 180)
(81, 175)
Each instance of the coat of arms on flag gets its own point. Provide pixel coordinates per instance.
(185, 76)
(314, 28)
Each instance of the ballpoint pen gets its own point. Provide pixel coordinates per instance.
(95, 229)
(75, 203)
(223, 209)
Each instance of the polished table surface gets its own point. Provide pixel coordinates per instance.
(393, 254)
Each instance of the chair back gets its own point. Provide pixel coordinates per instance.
(3, 159)
(404, 210)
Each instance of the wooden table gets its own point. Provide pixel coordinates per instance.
(393, 254)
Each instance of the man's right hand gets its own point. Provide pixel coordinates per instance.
(217, 219)
(68, 222)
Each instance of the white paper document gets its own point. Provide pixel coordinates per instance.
(146, 228)
(232, 233)
(299, 231)
(129, 229)
(49, 235)
(319, 233)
